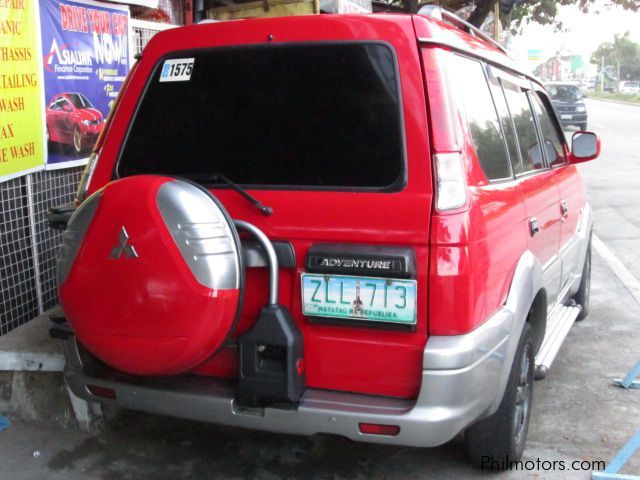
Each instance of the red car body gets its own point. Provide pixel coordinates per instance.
(72, 120)
(481, 267)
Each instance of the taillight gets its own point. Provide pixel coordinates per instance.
(379, 429)
(83, 186)
(451, 186)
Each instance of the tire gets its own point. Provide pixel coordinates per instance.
(582, 295)
(78, 147)
(494, 442)
(582, 126)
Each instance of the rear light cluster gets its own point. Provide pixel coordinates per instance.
(451, 186)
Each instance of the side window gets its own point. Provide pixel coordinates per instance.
(507, 126)
(482, 118)
(553, 136)
(524, 123)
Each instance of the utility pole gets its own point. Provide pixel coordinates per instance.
(496, 22)
(602, 74)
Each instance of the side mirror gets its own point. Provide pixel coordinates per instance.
(585, 146)
(66, 108)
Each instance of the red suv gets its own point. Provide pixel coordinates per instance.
(362, 225)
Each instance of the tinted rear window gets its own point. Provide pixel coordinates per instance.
(482, 117)
(317, 116)
(564, 93)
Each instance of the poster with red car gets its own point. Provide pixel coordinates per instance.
(85, 51)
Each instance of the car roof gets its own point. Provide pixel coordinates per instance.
(426, 30)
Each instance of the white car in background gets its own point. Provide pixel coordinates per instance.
(630, 87)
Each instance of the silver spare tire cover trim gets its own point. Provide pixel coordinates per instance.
(202, 233)
(74, 235)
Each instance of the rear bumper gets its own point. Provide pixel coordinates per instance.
(460, 383)
(573, 118)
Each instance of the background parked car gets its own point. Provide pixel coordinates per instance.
(630, 87)
(73, 120)
(568, 103)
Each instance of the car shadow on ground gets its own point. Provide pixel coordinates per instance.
(142, 446)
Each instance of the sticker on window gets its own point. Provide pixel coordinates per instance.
(177, 70)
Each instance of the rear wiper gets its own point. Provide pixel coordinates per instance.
(265, 210)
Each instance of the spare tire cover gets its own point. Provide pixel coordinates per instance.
(150, 275)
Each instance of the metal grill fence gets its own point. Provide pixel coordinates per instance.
(28, 247)
(143, 31)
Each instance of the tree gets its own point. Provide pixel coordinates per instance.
(623, 53)
(541, 11)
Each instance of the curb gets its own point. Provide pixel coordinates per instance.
(609, 100)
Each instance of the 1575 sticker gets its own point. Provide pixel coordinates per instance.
(177, 70)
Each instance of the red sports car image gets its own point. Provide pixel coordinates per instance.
(73, 120)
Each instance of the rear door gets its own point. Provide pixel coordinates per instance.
(570, 187)
(327, 125)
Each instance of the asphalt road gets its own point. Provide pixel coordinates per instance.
(613, 181)
(577, 414)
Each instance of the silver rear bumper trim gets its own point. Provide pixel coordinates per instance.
(449, 400)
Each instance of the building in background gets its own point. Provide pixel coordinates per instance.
(562, 68)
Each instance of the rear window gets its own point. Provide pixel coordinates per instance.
(313, 116)
(564, 93)
(482, 117)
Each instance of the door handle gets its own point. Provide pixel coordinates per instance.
(534, 228)
(563, 208)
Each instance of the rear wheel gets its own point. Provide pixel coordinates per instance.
(582, 295)
(582, 126)
(499, 439)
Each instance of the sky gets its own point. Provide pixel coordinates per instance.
(584, 33)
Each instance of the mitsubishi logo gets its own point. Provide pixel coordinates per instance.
(123, 246)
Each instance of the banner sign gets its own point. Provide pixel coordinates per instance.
(21, 136)
(85, 50)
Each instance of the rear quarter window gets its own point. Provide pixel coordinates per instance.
(317, 116)
(482, 118)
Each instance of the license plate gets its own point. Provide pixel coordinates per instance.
(566, 117)
(359, 298)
